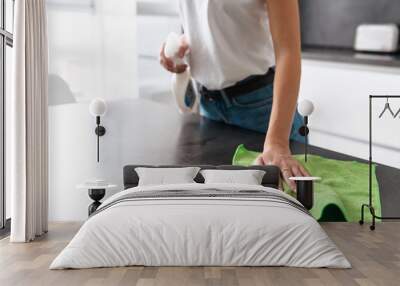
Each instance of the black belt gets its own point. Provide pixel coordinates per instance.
(243, 87)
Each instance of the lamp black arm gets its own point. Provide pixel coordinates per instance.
(100, 131)
(304, 131)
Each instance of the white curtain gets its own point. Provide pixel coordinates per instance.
(28, 157)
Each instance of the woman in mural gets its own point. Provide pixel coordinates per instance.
(246, 57)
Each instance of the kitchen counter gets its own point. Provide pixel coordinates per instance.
(196, 140)
(350, 56)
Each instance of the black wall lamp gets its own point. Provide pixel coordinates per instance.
(305, 185)
(98, 108)
(305, 108)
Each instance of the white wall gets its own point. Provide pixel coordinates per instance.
(156, 19)
(92, 47)
(340, 92)
(73, 149)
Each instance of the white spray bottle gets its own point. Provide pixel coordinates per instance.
(179, 82)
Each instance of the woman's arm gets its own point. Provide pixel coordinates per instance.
(285, 30)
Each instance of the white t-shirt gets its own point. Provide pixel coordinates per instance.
(229, 40)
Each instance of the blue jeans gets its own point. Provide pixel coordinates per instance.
(250, 111)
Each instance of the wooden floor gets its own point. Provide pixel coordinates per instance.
(375, 257)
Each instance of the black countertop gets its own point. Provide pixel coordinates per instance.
(169, 138)
(350, 56)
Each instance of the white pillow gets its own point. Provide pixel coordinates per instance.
(248, 177)
(165, 176)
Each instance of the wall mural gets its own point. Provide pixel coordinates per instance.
(92, 50)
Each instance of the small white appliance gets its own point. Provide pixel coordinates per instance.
(383, 38)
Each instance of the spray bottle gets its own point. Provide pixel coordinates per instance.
(180, 82)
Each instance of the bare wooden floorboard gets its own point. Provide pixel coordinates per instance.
(375, 257)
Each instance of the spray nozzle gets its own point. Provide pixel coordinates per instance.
(172, 45)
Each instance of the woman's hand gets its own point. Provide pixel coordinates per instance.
(285, 28)
(169, 64)
(280, 155)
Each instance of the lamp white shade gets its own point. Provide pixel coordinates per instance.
(98, 107)
(305, 107)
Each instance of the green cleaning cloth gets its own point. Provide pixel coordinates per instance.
(340, 193)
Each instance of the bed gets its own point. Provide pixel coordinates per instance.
(199, 224)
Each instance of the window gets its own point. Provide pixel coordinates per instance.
(6, 43)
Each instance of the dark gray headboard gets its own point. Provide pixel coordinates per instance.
(271, 178)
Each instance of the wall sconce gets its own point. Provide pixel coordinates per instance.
(305, 108)
(98, 108)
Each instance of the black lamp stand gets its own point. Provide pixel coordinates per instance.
(305, 193)
(100, 131)
(96, 195)
(304, 130)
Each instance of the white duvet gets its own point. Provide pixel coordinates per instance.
(202, 232)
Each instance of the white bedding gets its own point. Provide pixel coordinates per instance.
(200, 231)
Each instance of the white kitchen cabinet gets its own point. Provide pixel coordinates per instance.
(340, 92)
